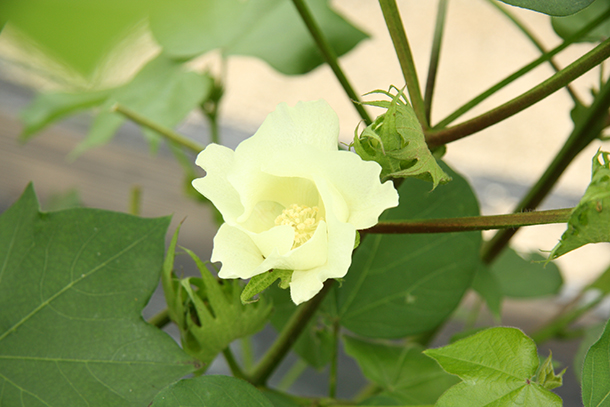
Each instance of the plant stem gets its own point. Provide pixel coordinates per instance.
(247, 354)
(330, 57)
(162, 130)
(434, 57)
(470, 223)
(289, 335)
(332, 380)
(135, 198)
(292, 375)
(436, 138)
(585, 131)
(233, 365)
(405, 58)
(530, 35)
(161, 319)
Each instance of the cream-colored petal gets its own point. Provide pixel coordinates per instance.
(312, 123)
(354, 180)
(305, 284)
(278, 239)
(239, 256)
(218, 162)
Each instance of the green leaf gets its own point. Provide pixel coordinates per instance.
(486, 284)
(527, 277)
(162, 91)
(315, 344)
(497, 367)
(590, 220)
(401, 285)
(596, 373)
(553, 8)
(602, 282)
(211, 391)
(261, 282)
(271, 30)
(209, 313)
(278, 399)
(566, 27)
(404, 372)
(396, 141)
(77, 34)
(592, 335)
(50, 107)
(72, 287)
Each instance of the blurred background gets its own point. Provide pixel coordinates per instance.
(480, 47)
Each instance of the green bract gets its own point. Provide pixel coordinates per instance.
(291, 200)
(590, 220)
(396, 141)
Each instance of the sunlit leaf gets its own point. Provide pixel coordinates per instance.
(497, 367)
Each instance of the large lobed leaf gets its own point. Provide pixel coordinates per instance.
(401, 285)
(212, 391)
(270, 30)
(72, 288)
(553, 7)
(566, 27)
(498, 368)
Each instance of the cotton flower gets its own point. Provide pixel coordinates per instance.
(291, 200)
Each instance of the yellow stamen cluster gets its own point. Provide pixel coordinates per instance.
(302, 219)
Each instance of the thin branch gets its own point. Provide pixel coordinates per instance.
(289, 335)
(470, 223)
(403, 51)
(162, 130)
(233, 365)
(161, 319)
(530, 35)
(434, 57)
(330, 57)
(585, 131)
(436, 138)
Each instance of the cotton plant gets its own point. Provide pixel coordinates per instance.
(366, 248)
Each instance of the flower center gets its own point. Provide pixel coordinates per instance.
(302, 219)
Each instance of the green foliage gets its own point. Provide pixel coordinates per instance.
(497, 367)
(315, 344)
(566, 27)
(526, 277)
(403, 372)
(553, 8)
(596, 373)
(77, 34)
(211, 391)
(261, 282)
(166, 102)
(488, 287)
(267, 29)
(546, 376)
(72, 287)
(402, 285)
(590, 220)
(592, 335)
(396, 141)
(208, 312)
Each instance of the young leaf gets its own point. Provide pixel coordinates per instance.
(590, 220)
(72, 287)
(162, 91)
(497, 367)
(566, 27)
(396, 141)
(50, 107)
(546, 375)
(403, 372)
(209, 313)
(553, 8)
(185, 28)
(596, 373)
(211, 391)
(527, 277)
(401, 285)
